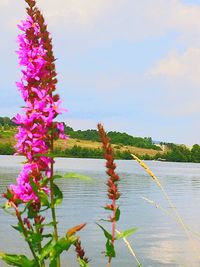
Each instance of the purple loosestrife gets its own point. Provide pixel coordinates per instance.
(112, 182)
(37, 128)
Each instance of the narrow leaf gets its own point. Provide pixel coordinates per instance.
(110, 250)
(44, 199)
(57, 176)
(17, 260)
(18, 227)
(58, 195)
(61, 245)
(72, 175)
(106, 233)
(46, 250)
(82, 263)
(125, 233)
(53, 263)
(73, 230)
(117, 214)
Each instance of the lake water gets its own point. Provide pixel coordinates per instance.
(159, 240)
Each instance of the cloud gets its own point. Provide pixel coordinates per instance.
(105, 20)
(86, 33)
(87, 23)
(73, 13)
(131, 20)
(181, 66)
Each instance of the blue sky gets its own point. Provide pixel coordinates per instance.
(132, 65)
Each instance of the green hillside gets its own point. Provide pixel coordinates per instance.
(86, 144)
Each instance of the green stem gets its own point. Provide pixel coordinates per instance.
(53, 211)
(113, 228)
(37, 228)
(114, 221)
(26, 235)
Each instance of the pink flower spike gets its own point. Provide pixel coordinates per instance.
(37, 86)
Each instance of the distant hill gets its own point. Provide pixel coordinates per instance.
(86, 144)
(117, 138)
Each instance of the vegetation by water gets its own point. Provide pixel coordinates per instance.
(86, 144)
(115, 137)
(36, 189)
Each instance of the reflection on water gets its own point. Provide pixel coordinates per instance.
(158, 241)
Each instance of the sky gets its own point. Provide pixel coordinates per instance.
(133, 65)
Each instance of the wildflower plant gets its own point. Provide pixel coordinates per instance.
(113, 195)
(36, 191)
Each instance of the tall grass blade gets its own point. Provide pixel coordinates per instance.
(130, 248)
(173, 207)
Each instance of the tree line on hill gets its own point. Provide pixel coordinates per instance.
(178, 153)
(115, 138)
(174, 153)
(92, 135)
(6, 122)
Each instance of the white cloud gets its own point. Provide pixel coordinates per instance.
(73, 12)
(128, 19)
(82, 24)
(181, 66)
(107, 20)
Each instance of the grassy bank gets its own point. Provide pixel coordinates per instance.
(77, 148)
(85, 148)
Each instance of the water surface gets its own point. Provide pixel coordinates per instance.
(159, 240)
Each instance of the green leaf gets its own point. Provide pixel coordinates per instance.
(44, 181)
(106, 233)
(17, 260)
(27, 205)
(35, 239)
(50, 155)
(47, 235)
(44, 200)
(117, 214)
(125, 233)
(48, 224)
(46, 250)
(73, 175)
(61, 245)
(82, 263)
(53, 263)
(110, 250)
(18, 227)
(58, 195)
(53, 250)
(57, 176)
(31, 212)
(34, 186)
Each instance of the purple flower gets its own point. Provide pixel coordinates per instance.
(37, 124)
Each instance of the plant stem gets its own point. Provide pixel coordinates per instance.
(53, 211)
(39, 245)
(25, 234)
(113, 228)
(114, 221)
